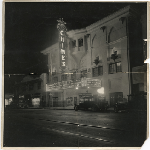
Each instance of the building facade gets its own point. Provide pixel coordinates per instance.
(31, 91)
(100, 56)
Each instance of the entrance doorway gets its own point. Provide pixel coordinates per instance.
(114, 97)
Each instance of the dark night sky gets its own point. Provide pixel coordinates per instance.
(30, 27)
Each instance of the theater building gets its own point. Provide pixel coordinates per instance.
(99, 57)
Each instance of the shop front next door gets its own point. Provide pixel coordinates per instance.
(114, 97)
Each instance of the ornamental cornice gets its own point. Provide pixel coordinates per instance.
(109, 18)
(105, 23)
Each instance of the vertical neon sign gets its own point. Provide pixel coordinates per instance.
(62, 42)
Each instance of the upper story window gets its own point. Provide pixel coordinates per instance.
(64, 77)
(73, 76)
(97, 71)
(39, 85)
(74, 44)
(84, 73)
(80, 42)
(100, 70)
(118, 67)
(112, 68)
(55, 79)
(115, 66)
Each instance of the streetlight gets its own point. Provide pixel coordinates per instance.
(101, 90)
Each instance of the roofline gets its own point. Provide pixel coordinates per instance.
(50, 48)
(102, 21)
(71, 33)
(108, 18)
(87, 29)
(29, 81)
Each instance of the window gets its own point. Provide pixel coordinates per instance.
(98, 71)
(74, 44)
(111, 68)
(119, 69)
(95, 72)
(84, 73)
(39, 85)
(73, 76)
(64, 77)
(115, 66)
(80, 42)
(55, 79)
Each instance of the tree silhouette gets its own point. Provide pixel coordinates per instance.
(96, 61)
(114, 57)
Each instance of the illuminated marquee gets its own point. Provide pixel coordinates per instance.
(62, 42)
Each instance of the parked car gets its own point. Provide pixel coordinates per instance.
(121, 104)
(23, 103)
(93, 104)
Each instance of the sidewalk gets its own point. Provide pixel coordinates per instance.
(63, 108)
(71, 108)
(60, 108)
(111, 109)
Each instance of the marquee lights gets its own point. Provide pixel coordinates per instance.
(90, 83)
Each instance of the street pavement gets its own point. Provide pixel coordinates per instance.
(69, 128)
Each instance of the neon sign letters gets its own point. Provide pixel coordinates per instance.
(62, 42)
(62, 49)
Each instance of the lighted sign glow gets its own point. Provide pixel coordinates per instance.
(36, 102)
(63, 57)
(61, 32)
(101, 90)
(63, 64)
(62, 42)
(62, 51)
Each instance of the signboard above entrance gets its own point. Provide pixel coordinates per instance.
(82, 83)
